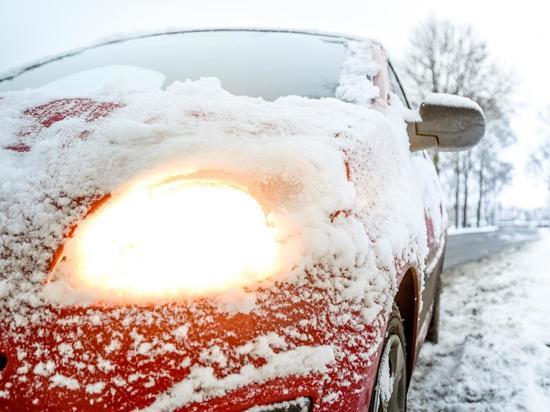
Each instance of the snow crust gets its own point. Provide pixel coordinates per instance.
(338, 182)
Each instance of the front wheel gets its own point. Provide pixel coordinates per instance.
(390, 390)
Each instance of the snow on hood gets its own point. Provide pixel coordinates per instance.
(349, 204)
(303, 147)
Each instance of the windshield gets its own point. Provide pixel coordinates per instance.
(251, 63)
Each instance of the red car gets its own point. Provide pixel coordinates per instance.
(219, 220)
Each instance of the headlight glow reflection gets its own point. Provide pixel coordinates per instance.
(181, 237)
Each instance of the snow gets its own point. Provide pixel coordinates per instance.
(302, 403)
(89, 80)
(452, 100)
(385, 379)
(3, 287)
(44, 369)
(64, 382)
(470, 230)
(181, 332)
(203, 384)
(494, 345)
(95, 387)
(358, 71)
(338, 182)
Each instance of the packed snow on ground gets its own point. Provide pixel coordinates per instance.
(343, 192)
(494, 347)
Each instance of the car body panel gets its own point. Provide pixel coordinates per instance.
(144, 378)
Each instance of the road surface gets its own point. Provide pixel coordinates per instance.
(470, 247)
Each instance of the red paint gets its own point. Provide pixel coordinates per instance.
(18, 147)
(47, 114)
(347, 166)
(345, 213)
(432, 241)
(57, 110)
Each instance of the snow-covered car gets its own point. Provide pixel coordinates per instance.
(219, 220)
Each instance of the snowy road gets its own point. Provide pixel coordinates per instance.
(494, 347)
(463, 248)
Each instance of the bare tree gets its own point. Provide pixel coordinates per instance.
(457, 189)
(540, 158)
(492, 172)
(467, 164)
(447, 58)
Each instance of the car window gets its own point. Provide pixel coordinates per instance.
(252, 63)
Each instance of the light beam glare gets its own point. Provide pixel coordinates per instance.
(187, 237)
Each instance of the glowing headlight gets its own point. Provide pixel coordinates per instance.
(178, 237)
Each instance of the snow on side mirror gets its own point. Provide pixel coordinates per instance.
(449, 122)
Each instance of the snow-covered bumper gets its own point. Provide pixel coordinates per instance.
(295, 344)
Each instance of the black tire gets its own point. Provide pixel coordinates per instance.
(433, 331)
(394, 356)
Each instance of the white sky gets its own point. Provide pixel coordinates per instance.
(518, 34)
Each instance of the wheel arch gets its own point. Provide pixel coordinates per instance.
(407, 300)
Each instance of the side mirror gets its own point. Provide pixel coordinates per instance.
(449, 122)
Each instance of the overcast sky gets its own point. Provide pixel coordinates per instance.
(518, 34)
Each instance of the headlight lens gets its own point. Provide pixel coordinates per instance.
(179, 236)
